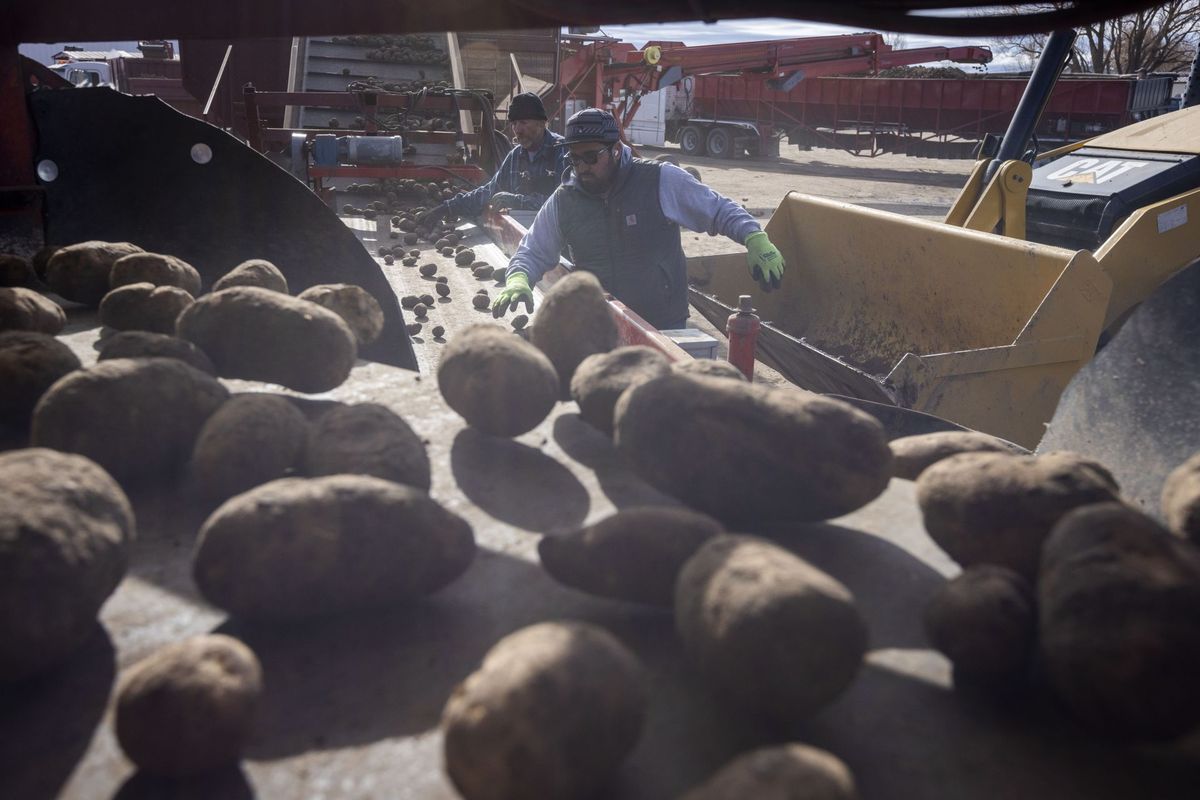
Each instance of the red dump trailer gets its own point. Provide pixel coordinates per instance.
(931, 117)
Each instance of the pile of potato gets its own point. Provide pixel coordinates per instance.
(400, 48)
(326, 510)
(1066, 586)
(334, 497)
(403, 199)
(773, 638)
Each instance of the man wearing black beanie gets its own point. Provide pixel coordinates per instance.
(528, 175)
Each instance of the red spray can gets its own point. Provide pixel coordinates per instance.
(742, 329)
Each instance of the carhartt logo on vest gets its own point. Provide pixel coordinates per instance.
(631, 219)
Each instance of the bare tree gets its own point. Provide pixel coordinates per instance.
(1162, 38)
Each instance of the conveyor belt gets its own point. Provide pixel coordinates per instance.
(352, 705)
(330, 66)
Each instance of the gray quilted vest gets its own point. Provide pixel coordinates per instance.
(629, 244)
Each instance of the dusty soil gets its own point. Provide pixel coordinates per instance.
(918, 187)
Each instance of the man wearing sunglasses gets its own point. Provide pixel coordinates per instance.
(619, 217)
(528, 175)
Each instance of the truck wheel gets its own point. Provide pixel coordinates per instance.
(691, 141)
(720, 143)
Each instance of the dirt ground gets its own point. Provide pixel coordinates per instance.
(918, 187)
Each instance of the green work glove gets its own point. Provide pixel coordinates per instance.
(516, 290)
(427, 219)
(505, 201)
(765, 261)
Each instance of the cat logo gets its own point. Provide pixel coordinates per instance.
(1094, 170)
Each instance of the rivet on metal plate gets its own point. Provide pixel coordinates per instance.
(47, 171)
(201, 153)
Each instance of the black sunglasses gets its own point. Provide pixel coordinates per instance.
(589, 158)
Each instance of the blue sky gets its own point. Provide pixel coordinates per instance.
(750, 30)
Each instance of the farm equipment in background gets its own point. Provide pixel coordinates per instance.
(154, 69)
(607, 73)
(986, 318)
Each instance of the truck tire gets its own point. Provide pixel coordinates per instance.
(691, 141)
(720, 143)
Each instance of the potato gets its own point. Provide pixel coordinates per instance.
(14, 270)
(464, 257)
(573, 323)
(144, 307)
(41, 259)
(65, 530)
(751, 455)
(996, 508)
(137, 417)
(367, 439)
(984, 621)
(711, 367)
(79, 272)
(23, 309)
(769, 632)
(248, 441)
(189, 707)
(1119, 623)
(155, 268)
(255, 272)
(1181, 499)
(551, 713)
(147, 344)
(914, 454)
(632, 555)
(29, 364)
(297, 548)
(353, 304)
(259, 334)
(600, 379)
(785, 772)
(498, 383)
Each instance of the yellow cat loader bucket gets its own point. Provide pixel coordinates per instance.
(977, 328)
(965, 319)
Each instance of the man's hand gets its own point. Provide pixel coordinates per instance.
(765, 261)
(503, 201)
(516, 290)
(427, 219)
